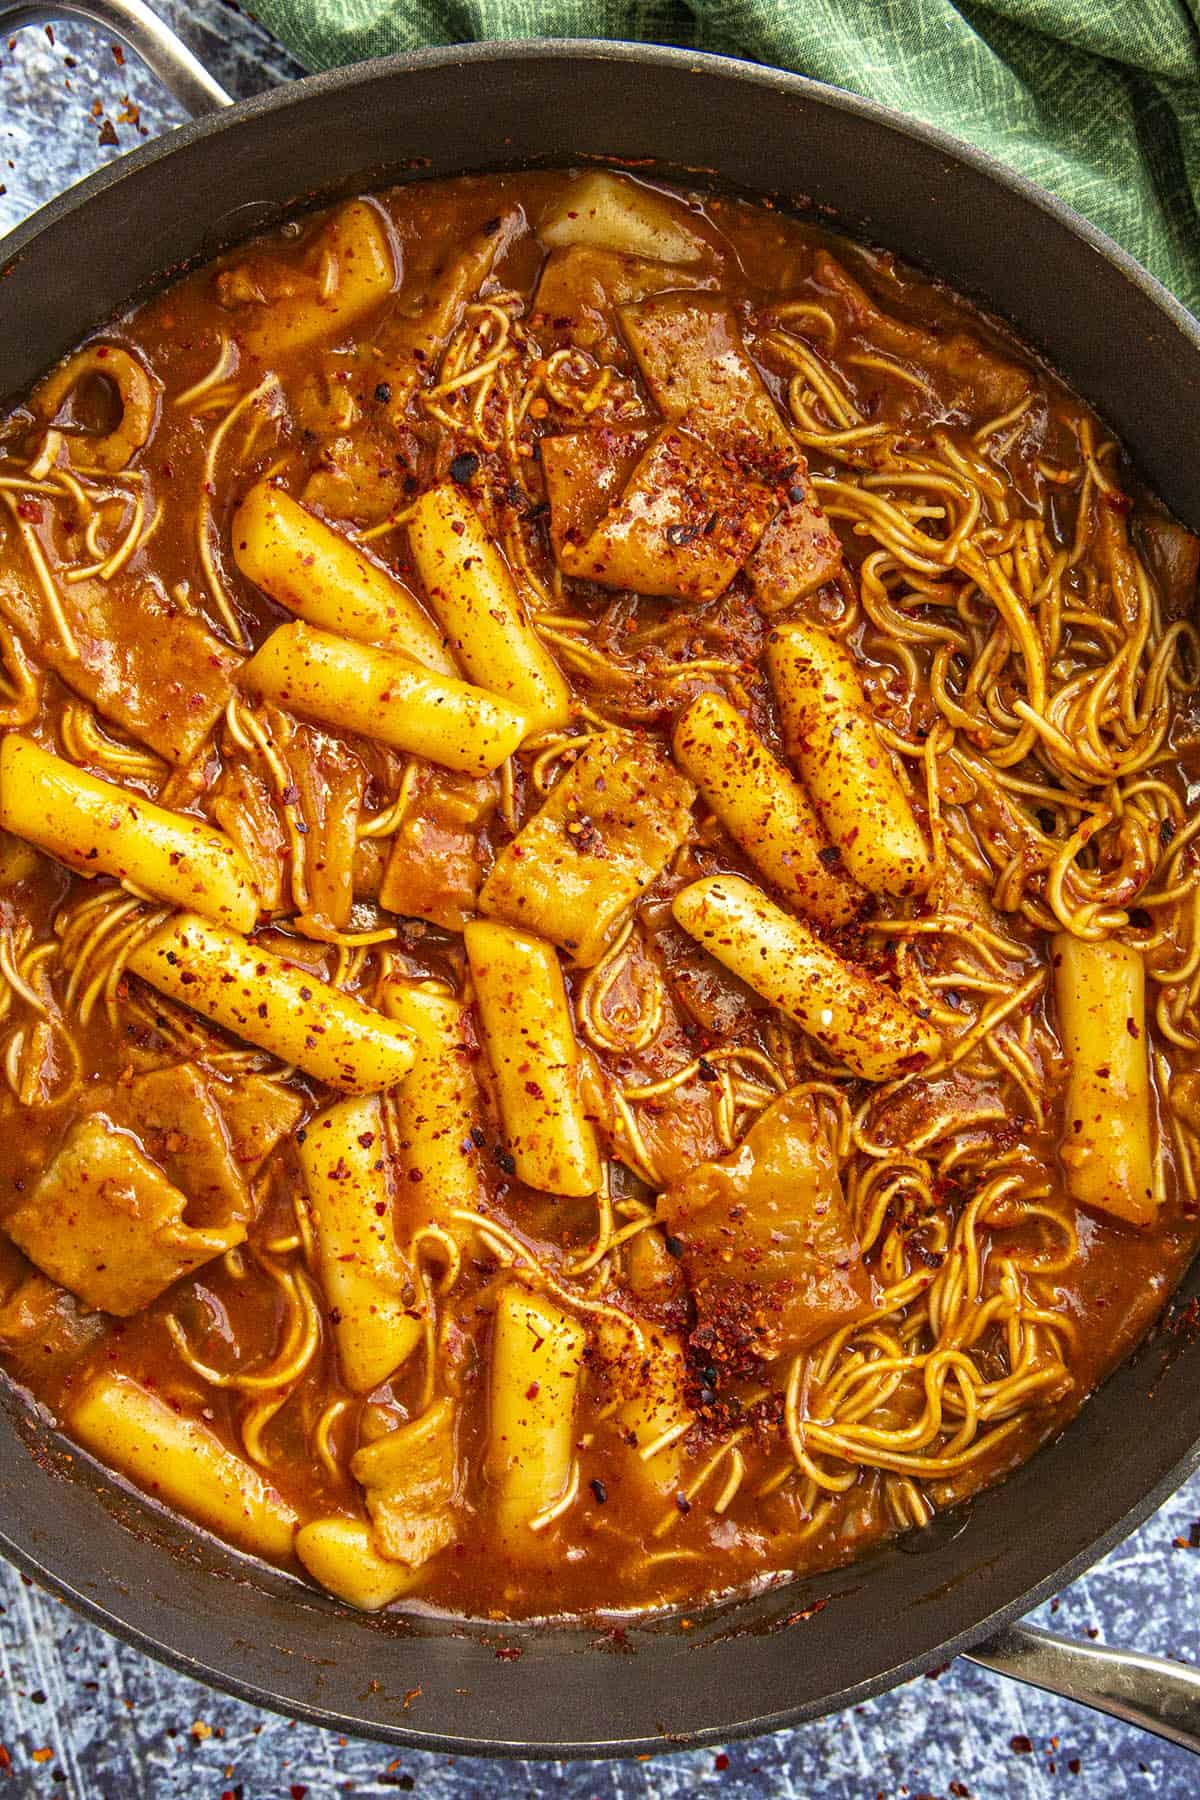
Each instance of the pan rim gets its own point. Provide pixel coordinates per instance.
(598, 1749)
(576, 50)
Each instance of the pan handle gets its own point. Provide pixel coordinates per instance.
(141, 31)
(1160, 1696)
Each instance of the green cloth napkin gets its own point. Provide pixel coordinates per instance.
(1098, 100)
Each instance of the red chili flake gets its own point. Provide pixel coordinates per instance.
(509, 1653)
(5, 1760)
(960, 1790)
(720, 1762)
(806, 1612)
(108, 133)
(1074, 1765)
(297, 1790)
(1020, 1745)
(118, 55)
(31, 510)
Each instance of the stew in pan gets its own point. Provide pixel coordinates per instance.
(599, 901)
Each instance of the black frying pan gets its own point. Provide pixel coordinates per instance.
(752, 1665)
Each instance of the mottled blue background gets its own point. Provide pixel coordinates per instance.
(84, 1716)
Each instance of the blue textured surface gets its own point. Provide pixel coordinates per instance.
(84, 1716)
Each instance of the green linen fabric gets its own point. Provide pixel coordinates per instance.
(1097, 100)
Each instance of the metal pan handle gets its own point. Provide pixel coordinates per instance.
(140, 30)
(1149, 1691)
(1160, 1696)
